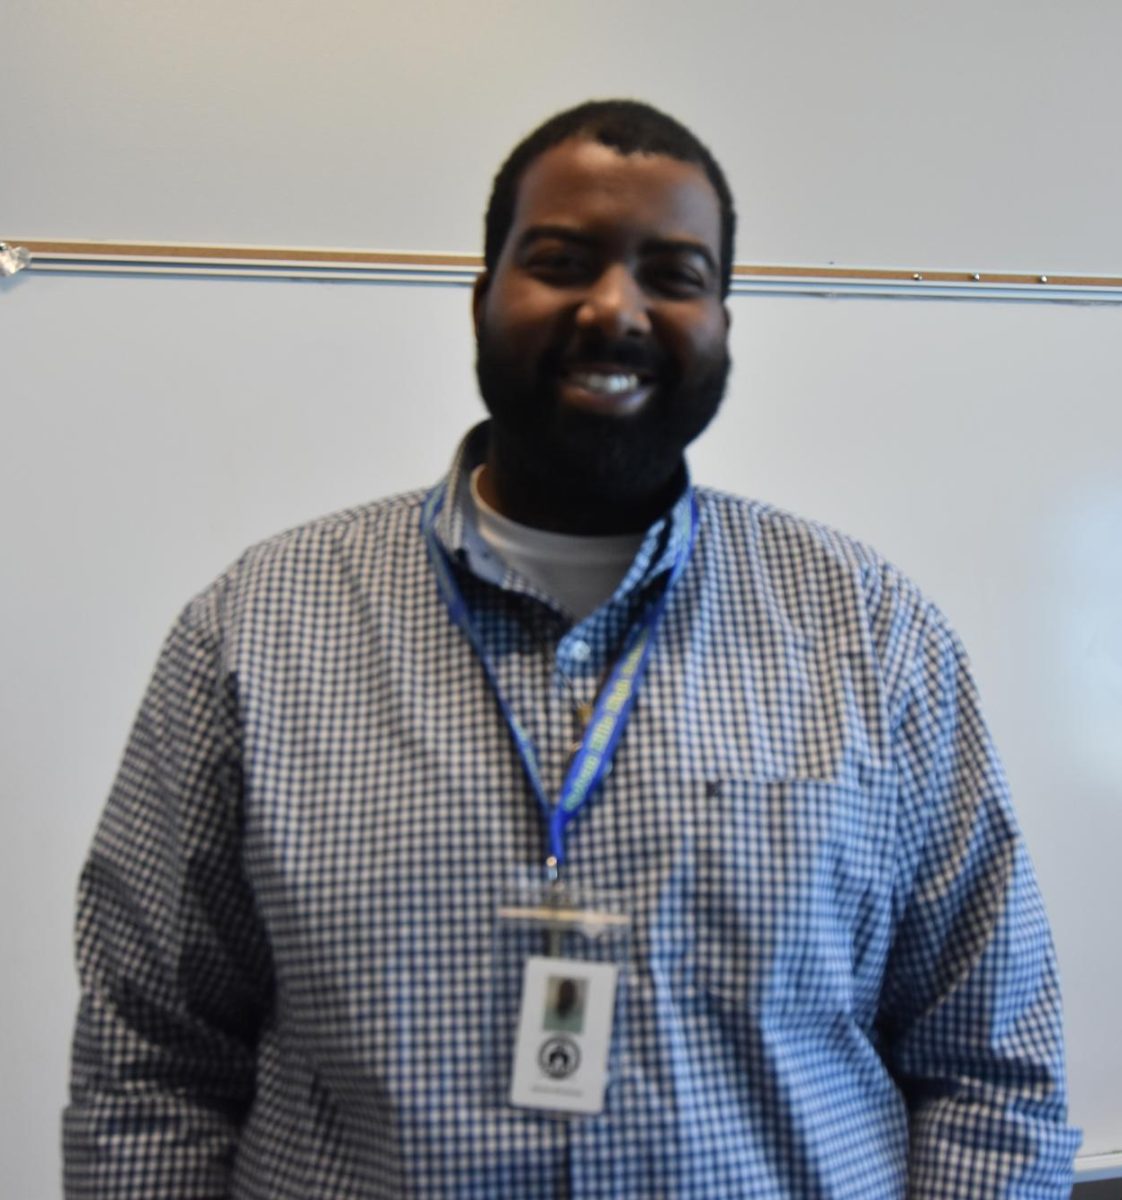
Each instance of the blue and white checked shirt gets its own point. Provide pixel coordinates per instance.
(840, 983)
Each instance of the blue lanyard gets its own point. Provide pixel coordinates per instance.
(613, 705)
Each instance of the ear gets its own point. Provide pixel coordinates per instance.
(728, 317)
(479, 292)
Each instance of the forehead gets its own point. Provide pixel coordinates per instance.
(593, 188)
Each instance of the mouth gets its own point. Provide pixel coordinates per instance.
(606, 388)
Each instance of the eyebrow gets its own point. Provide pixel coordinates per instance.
(563, 233)
(656, 245)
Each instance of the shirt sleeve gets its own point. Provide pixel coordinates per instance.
(173, 963)
(970, 1014)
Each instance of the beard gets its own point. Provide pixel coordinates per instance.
(586, 457)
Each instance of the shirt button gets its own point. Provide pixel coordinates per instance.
(580, 651)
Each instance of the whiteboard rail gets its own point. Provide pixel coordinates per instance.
(1089, 1167)
(385, 266)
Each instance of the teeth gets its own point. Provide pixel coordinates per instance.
(610, 384)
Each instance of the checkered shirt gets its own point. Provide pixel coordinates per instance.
(839, 980)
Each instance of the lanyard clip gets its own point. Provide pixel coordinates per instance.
(553, 938)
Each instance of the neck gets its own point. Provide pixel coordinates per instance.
(539, 502)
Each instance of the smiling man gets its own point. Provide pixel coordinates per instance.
(601, 332)
(566, 725)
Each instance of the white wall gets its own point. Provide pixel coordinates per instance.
(153, 427)
(970, 134)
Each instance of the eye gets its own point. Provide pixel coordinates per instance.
(557, 264)
(677, 277)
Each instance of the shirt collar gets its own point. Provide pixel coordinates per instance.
(455, 527)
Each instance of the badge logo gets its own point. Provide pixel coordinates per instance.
(559, 1057)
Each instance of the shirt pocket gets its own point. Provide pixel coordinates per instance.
(792, 905)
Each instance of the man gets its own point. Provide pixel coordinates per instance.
(836, 978)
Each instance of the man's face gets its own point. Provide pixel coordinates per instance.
(601, 335)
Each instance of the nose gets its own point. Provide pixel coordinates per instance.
(615, 304)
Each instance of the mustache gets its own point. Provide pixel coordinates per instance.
(594, 347)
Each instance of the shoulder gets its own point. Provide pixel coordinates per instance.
(372, 527)
(310, 564)
(784, 536)
(805, 549)
(824, 584)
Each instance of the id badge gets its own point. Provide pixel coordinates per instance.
(562, 951)
(564, 1033)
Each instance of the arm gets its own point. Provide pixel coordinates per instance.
(971, 1011)
(173, 963)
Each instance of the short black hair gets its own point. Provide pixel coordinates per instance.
(627, 126)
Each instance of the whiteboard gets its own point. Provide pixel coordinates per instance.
(155, 426)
